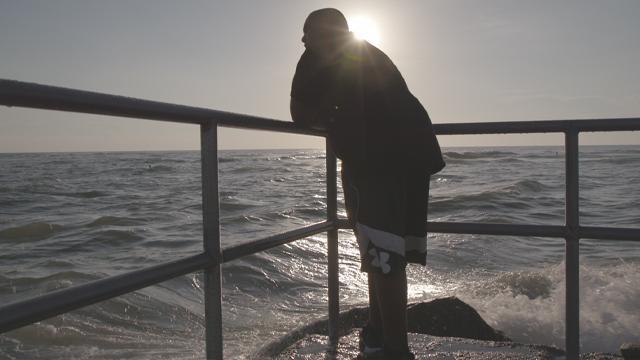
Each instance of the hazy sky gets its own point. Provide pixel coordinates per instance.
(467, 61)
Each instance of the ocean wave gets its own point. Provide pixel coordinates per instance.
(280, 179)
(265, 220)
(158, 168)
(90, 194)
(239, 170)
(515, 196)
(527, 186)
(269, 273)
(478, 155)
(234, 202)
(529, 306)
(62, 279)
(447, 178)
(287, 214)
(115, 221)
(254, 274)
(167, 244)
(133, 324)
(311, 212)
(484, 200)
(608, 161)
(114, 237)
(531, 284)
(30, 232)
(55, 263)
(253, 218)
(49, 334)
(233, 207)
(297, 157)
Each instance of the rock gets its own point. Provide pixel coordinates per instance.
(314, 347)
(599, 356)
(450, 317)
(441, 317)
(630, 351)
(440, 329)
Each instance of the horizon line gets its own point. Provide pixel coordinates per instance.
(292, 148)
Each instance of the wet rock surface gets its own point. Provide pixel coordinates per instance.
(630, 351)
(423, 346)
(432, 347)
(440, 329)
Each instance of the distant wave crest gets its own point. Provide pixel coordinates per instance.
(30, 232)
(159, 168)
(115, 221)
(504, 197)
(477, 155)
(527, 186)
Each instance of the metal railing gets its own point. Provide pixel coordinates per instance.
(18, 314)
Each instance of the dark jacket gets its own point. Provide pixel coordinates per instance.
(375, 124)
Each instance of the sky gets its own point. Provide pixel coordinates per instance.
(467, 61)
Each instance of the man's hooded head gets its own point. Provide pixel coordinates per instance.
(325, 31)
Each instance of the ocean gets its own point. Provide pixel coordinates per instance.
(69, 218)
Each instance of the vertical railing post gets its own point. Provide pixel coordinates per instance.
(572, 250)
(332, 244)
(211, 239)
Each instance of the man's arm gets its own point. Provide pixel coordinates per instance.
(308, 90)
(306, 116)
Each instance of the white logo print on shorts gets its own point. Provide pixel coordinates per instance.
(380, 259)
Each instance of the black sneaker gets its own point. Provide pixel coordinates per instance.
(385, 355)
(370, 344)
(405, 355)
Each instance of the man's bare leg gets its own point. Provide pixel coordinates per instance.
(391, 294)
(375, 320)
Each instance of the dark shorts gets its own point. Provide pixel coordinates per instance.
(388, 214)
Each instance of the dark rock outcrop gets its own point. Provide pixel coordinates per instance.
(630, 351)
(450, 317)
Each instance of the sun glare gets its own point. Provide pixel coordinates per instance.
(364, 28)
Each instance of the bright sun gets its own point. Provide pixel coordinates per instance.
(364, 28)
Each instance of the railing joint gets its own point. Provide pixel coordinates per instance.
(572, 233)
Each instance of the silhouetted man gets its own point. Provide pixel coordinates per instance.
(388, 149)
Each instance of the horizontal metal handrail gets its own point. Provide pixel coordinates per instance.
(237, 251)
(538, 126)
(18, 93)
(608, 233)
(559, 231)
(555, 231)
(496, 229)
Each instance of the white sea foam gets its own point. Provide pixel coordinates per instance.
(520, 305)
